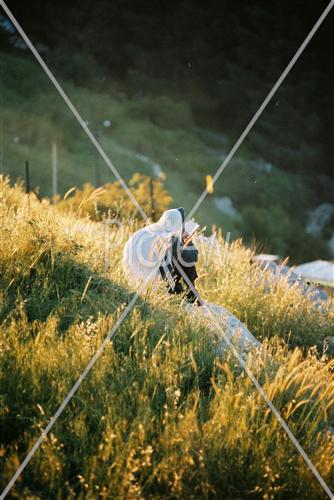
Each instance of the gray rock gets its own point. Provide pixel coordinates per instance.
(231, 329)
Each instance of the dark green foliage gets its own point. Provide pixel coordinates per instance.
(158, 71)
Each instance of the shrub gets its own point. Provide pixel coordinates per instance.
(112, 199)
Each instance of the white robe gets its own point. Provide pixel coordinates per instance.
(145, 250)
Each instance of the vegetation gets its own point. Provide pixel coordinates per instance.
(150, 133)
(111, 199)
(164, 413)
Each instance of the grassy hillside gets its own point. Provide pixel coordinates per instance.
(163, 414)
(156, 128)
(146, 129)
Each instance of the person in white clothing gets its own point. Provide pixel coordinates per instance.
(162, 250)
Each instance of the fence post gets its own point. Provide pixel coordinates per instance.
(152, 200)
(98, 182)
(54, 171)
(27, 177)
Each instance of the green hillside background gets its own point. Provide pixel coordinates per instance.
(179, 96)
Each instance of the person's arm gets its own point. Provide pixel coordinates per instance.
(187, 253)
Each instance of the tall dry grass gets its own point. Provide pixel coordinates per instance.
(163, 414)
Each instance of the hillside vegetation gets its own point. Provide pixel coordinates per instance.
(163, 413)
(151, 130)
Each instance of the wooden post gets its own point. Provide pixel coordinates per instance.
(54, 171)
(152, 200)
(27, 177)
(97, 166)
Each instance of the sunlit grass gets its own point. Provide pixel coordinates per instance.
(163, 413)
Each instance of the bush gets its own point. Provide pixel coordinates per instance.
(111, 199)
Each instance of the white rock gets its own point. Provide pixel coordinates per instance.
(232, 331)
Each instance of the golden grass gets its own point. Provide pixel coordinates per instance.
(162, 414)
